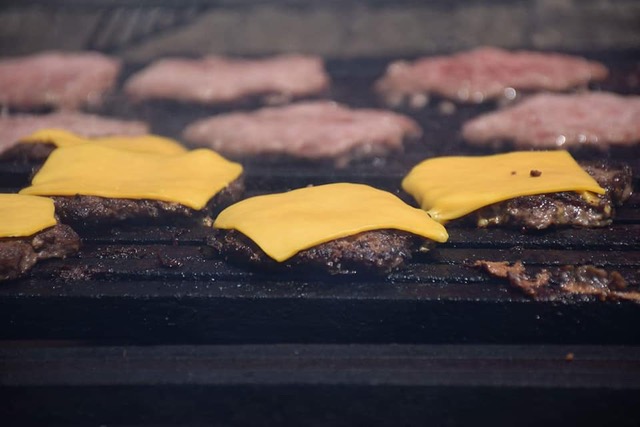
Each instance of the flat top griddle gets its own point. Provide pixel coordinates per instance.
(146, 321)
(156, 283)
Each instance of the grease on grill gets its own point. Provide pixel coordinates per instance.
(567, 280)
(72, 272)
(168, 261)
(170, 119)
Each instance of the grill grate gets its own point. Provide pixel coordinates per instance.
(154, 284)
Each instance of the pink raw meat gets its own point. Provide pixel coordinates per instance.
(484, 74)
(561, 121)
(14, 127)
(214, 79)
(313, 130)
(67, 80)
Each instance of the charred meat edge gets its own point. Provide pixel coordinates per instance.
(568, 280)
(93, 210)
(376, 251)
(539, 212)
(19, 255)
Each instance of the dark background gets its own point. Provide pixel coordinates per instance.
(140, 30)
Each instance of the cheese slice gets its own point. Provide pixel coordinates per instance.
(22, 216)
(286, 223)
(139, 143)
(451, 187)
(190, 179)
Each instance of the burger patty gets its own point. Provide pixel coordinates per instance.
(94, 210)
(19, 255)
(15, 127)
(217, 79)
(567, 208)
(311, 130)
(376, 251)
(484, 74)
(67, 80)
(596, 120)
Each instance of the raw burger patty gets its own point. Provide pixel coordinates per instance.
(57, 79)
(312, 130)
(485, 74)
(14, 127)
(596, 119)
(214, 79)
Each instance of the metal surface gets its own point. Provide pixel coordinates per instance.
(321, 385)
(215, 331)
(154, 284)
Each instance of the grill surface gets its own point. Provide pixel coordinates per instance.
(472, 346)
(154, 284)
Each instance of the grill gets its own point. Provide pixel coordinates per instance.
(144, 321)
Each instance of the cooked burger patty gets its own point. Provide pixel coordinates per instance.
(94, 210)
(377, 251)
(16, 258)
(567, 208)
(19, 255)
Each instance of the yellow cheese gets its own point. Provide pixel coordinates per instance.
(140, 143)
(22, 216)
(286, 223)
(451, 187)
(190, 179)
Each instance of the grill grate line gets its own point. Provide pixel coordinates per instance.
(444, 265)
(132, 260)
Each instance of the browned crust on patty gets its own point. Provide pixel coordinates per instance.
(567, 280)
(377, 251)
(94, 210)
(19, 255)
(539, 212)
(28, 152)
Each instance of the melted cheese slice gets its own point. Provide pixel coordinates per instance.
(284, 224)
(451, 187)
(139, 143)
(22, 216)
(190, 179)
